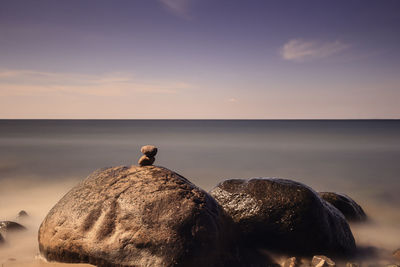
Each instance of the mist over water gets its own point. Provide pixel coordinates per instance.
(41, 160)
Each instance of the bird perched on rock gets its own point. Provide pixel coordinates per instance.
(149, 152)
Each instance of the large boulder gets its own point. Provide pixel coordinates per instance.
(350, 209)
(284, 215)
(137, 216)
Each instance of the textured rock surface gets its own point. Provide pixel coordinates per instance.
(322, 261)
(137, 216)
(350, 209)
(284, 215)
(8, 226)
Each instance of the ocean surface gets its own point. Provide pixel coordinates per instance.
(41, 159)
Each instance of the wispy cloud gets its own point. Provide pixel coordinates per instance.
(180, 8)
(232, 100)
(303, 50)
(29, 82)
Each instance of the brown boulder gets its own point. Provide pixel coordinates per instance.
(137, 216)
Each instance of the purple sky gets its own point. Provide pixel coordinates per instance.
(200, 59)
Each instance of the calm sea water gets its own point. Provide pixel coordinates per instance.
(41, 159)
(348, 156)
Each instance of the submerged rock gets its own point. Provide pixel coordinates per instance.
(350, 209)
(137, 216)
(22, 215)
(9, 226)
(284, 215)
(322, 261)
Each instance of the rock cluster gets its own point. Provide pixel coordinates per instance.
(152, 216)
(149, 152)
(285, 215)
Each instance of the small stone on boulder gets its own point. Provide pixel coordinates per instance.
(284, 215)
(322, 261)
(350, 209)
(146, 161)
(149, 150)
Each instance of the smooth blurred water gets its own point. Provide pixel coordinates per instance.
(352, 155)
(40, 160)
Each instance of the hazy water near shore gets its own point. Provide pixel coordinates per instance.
(40, 160)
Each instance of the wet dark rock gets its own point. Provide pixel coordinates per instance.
(350, 209)
(149, 150)
(322, 261)
(1, 239)
(138, 216)
(9, 226)
(146, 161)
(284, 215)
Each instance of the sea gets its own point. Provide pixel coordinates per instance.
(40, 160)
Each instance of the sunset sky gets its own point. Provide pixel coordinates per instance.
(199, 59)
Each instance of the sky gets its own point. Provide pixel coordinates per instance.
(200, 59)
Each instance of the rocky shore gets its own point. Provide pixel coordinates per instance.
(148, 215)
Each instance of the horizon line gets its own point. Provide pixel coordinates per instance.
(219, 119)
